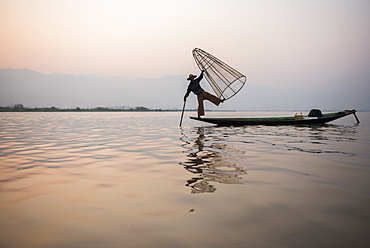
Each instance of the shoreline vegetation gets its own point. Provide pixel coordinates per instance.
(17, 108)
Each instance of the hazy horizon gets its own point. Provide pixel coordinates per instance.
(35, 89)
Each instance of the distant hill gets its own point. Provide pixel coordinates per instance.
(34, 89)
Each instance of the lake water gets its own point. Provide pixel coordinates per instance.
(138, 180)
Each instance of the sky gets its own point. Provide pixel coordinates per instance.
(290, 43)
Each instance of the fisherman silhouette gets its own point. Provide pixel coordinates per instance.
(194, 86)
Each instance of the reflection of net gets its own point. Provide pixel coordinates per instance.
(224, 80)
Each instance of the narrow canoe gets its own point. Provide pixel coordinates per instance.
(272, 121)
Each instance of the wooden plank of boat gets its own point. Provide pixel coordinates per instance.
(305, 120)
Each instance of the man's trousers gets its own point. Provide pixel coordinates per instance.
(206, 96)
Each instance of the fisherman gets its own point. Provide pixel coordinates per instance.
(202, 95)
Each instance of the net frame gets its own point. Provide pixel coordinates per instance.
(217, 71)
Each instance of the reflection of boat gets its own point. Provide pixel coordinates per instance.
(314, 117)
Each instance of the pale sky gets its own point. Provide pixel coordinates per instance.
(270, 41)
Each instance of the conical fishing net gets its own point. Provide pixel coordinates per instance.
(224, 80)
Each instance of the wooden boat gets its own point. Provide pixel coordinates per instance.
(314, 117)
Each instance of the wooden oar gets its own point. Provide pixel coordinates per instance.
(182, 114)
(354, 113)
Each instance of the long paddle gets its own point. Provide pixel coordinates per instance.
(354, 113)
(182, 114)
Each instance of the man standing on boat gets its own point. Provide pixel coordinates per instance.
(201, 94)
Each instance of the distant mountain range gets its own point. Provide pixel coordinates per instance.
(35, 89)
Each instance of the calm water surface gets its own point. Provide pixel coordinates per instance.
(138, 180)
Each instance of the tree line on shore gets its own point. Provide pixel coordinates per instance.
(20, 108)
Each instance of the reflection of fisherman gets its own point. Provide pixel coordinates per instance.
(207, 163)
(202, 95)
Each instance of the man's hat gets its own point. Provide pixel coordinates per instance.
(191, 76)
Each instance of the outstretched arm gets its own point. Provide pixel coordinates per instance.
(200, 76)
